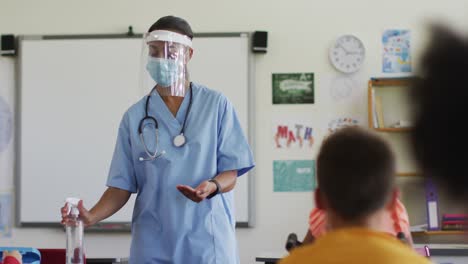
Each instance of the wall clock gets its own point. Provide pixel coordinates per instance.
(347, 54)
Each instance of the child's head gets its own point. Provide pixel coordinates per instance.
(356, 173)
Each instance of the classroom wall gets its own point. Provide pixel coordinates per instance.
(300, 33)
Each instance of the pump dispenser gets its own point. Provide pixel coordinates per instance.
(74, 230)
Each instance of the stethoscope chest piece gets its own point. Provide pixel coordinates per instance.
(179, 140)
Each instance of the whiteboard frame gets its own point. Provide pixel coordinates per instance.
(126, 226)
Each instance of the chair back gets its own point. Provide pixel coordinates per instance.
(54, 256)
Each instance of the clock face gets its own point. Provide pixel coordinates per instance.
(347, 54)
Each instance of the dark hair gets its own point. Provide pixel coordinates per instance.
(440, 98)
(173, 23)
(356, 172)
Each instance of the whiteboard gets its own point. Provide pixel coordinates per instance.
(73, 92)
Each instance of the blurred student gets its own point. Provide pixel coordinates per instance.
(440, 98)
(356, 176)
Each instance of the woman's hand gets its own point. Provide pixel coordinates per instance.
(199, 193)
(14, 253)
(85, 215)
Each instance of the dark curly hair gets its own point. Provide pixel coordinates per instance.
(440, 99)
(173, 23)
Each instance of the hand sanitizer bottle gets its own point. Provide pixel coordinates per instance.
(74, 230)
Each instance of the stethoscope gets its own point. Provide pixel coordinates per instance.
(178, 140)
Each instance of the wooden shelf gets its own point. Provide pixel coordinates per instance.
(393, 129)
(408, 174)
(374, 108)
(434, 233)
(406, 81)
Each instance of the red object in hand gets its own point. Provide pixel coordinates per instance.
(10, 260)
(76, 255)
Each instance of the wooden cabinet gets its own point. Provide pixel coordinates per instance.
(388, 104)
(389, 113)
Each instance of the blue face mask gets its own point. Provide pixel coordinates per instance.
(163, 71)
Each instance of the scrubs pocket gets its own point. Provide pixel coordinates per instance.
(153, 173)
(224, 237)
(146, 232)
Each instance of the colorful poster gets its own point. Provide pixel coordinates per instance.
(293, 88)
(341, 122)
(294, 175)
(396, 51)
(290, 134)
(5, 215)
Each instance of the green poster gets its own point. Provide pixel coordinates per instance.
(294, 175)
(293, 88)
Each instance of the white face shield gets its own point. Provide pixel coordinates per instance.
(164, 61)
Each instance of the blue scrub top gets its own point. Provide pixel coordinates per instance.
(167, 227)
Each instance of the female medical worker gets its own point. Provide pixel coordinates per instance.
(180, 148)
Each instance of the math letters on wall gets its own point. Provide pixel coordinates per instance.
(293, 135)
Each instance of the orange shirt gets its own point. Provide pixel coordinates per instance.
(355, 246)
(397, 221)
